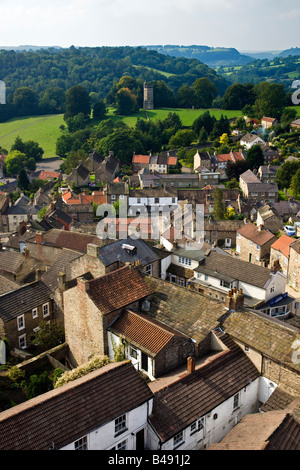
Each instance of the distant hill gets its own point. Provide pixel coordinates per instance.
(212, 56)
(97, 68)
(27, 48)
(262, 54)
(292, 51)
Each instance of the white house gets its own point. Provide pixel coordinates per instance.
(248, 140)
(200, 407)
(95, 412)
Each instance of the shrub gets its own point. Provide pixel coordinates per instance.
(16, 374)
(96, 363)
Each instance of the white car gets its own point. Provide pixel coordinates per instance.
(289, 230)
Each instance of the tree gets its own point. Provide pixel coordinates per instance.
(30, 148)
(205, 92)
(99, 110)
(204, 120)
(77, 101)
(203, 136)
(186, 97)
(255, 157)
(271, 99)
(219, 206)
(49, 335)
(53, 101)
(126, 102)
(286, 172)
(182, 138)
(234, 170)
(23, 181)
(237, 96)
(25, 101)
(224, 139)
(15, 162)
(295, 184)
(222, 126)
(38, 385)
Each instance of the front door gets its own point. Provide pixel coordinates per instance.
(144, 361)
(140, 440)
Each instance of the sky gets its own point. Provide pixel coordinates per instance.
(247, 25)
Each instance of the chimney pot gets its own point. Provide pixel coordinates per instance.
(191, 363)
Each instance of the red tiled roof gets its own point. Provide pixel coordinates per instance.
(268, 119)
(282, 244)
(172, 160)
(44, 175)
(143, 330)
(260, 237)
(141, 159)
(118, 289)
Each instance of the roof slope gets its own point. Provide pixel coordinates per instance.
(259, 237)
(23, 300)
(282, 244)
(146, 332)
(234, 268)
(266, 335)
(72, 240)
(10, 261)
(61, 264)
(179, 404)
(118, 289)
(189, 312)
(287, 435)
(67, 413)
(113, 252)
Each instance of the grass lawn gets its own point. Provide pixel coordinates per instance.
(187, 116)
(42, 129)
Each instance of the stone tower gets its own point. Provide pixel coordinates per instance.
(148, 97)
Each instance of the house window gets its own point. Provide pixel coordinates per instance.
(21, 322)
(178, 439)
(120, 424)
(206, 277)
(34, 313)
(46, 312)
(22, 342)
(121, 196)
(133, 352)
(180, 282)
(224, 284)
(197, 425)
(138, 200)
(156, 200)
(149, 269)
(113, 196)
(236, 401)
(121, 445)
(81, 444)
(272, 290)
(198, 275)
(173, 200)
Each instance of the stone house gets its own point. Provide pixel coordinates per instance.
(267, 173)
(93, 161)
(253, 244)
(202, 159)
(19, 267)
(272, 345)
(267, 218)
(270, 153)
(91, 306)
(115, 418)
(280, 254)
(293, 278)
(116, 192)
(268, 122)
(4, 205)
(220, 392)
(106, 171)
(257, 191)
(222, 232)
(153, 348)
(140, 161)
(161, 163)
(169, 181)
(296, 124)
(79, 176)
(116, 254)
(22, 310)
(286, 209)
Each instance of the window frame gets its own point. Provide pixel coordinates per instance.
(81, 444)
(20, 338)
(21, 318)
(48, 310)
(35, 312)
(120, 424)
(176, 441)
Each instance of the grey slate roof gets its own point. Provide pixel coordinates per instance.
(62, 264)
(23, 300)
(218, 264)
(114, 252)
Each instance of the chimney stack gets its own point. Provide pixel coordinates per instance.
(62, 281)
(39, 238)
(191, 364)
(83, 284)
(38, 274)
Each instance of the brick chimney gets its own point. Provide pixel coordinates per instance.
(92, 250)
(38, 274)
(82, 284)
(191, 364)
(39, 238)
(62, 281)
(235, 299)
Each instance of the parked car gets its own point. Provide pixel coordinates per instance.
(289, 230)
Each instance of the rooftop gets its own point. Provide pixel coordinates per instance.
(216, 381)
(283, 244)
(118, 289)
(257, 236)
(67, 413)
(117, 251)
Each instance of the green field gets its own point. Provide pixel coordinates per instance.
(42, 129)
(187, 116)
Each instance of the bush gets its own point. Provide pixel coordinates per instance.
(15, 374)
(96, 363)
(38, 385)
